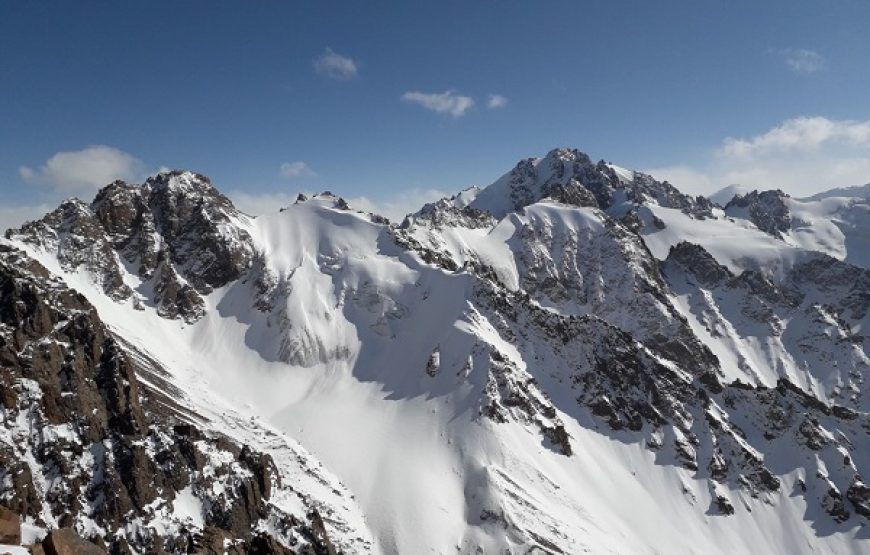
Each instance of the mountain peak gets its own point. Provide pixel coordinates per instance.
(180, 182)
(568, 155)
(569, 176)
(858, 191)
(533, 179)
(724, 195)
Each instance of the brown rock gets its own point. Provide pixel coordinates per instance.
(264, 544)
(210, 542)
(262, 466)
(66, 541)
(10, 526)
(317, 535)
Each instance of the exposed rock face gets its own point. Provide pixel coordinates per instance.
(82, 446)
(573, 193)
(196, 223)
(176, 231)
(765, 209)
(65, 541)
(788, 412)
(445, 212)
(599, 266)
(74, 232)
(10, 527)
(708, 423)
(693, 258)
(847, 284)
(512, 394)
(859, 495)
(811, 312)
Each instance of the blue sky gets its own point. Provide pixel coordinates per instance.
(389, 103)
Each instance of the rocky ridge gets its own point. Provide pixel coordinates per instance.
(83, 445)
(766, 209)
(175, 232)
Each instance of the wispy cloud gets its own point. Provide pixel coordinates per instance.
(799, 134)
(448, 102)
(397, 206)
(335, 66)
(295, 170)
(14, 216)
(801, 156)
(496, 101)
(257, 204)
(801, 60)
(86, 170)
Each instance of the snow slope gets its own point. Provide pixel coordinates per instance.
(835, 222)
(837, 225)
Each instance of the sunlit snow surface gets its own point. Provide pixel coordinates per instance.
(400, 459)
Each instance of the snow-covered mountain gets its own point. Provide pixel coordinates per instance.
(835, 222)
(577, 358)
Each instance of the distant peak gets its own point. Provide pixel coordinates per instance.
(179, 181)
(337, 201)
(756, 196)
(724, 195)
(568, 154)
(533, 179)
(71, 206)
(116, 188)
(858, 191)
(569, 176)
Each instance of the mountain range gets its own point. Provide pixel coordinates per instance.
(576, 358)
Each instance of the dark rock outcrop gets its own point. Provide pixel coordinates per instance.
(767, 210)
(700, 263)
(65, 541)
(102, 454)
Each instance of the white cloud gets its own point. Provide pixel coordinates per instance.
(801, 156)
(800, 135)
(496, 101)
(261, 203)
(14, 216)
(801, 60)
(400, 204)
(335, 66)
(448, 102)
(395, 207)
(86, 170)
(295, 170)
(687, 179)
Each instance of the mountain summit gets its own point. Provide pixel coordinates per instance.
(570, 176)
(576, 358)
